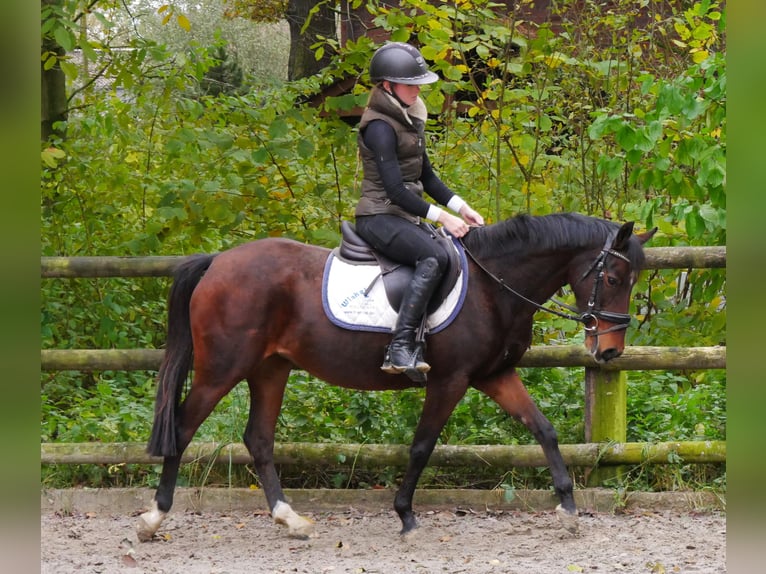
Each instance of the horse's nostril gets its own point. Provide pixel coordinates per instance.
(610, 354)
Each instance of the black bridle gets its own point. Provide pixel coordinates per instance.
(592, 314)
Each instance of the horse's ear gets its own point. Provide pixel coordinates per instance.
(646, 235)
(623, 236)
(620, 242)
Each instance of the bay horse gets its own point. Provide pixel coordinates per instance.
(254, 312)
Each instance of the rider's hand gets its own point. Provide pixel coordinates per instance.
(470, 216)
(453, 224)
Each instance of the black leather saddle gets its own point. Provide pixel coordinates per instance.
(397, 276)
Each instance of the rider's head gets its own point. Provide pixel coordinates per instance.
(400, 63)
(400, 69)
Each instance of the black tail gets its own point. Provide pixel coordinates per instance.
(178, 355)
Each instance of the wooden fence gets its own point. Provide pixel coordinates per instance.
(605, 391)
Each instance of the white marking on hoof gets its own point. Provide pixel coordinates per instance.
(297, 526)
(568, 520)
(149, 522)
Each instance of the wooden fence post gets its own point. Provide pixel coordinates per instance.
(606, 416)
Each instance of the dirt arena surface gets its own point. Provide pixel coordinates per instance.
(356, 541)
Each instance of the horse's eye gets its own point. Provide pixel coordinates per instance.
(611, 280)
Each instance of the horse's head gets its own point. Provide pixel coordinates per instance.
(602, 287)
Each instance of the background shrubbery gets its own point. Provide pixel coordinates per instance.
(156, 162)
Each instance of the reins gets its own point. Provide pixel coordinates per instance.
(621, 320)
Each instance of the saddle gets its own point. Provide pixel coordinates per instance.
(397, 276)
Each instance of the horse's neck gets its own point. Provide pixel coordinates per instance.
(536, 277)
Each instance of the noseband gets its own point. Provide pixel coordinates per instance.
(592, 314)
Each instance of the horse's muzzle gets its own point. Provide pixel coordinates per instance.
(605, 341)
(608, 354)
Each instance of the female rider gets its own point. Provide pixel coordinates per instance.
(391, 209)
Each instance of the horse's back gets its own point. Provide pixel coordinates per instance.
(259, 276)
(269, 258)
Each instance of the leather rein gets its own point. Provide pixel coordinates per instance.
(592, 314)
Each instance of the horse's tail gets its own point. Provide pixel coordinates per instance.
(177, 361)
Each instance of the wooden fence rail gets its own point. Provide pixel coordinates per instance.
(361, 456)
(633, 359)
(162, 266)
(605, 389)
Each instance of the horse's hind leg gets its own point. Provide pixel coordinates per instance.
(267, 388)
(196, 407)
(509, 392)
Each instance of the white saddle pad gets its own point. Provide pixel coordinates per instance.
(354, 297)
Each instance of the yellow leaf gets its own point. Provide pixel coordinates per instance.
(56, 152)
(575, 568)
(51, 155)
(700, 56)
(183, 21)
(162, 8)
(279, 194)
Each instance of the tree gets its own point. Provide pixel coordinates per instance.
(53, 98)
(225, 77)
(310, 21)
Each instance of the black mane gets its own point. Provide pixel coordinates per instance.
(558, 231)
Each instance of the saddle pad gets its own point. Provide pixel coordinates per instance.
(343, 297)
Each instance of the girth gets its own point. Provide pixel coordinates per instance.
(397, 276)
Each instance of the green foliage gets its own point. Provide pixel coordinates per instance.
(632, 128)
(669, 407)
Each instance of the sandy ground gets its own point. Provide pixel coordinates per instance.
(356, 541)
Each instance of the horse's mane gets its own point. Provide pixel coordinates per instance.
(558, 231)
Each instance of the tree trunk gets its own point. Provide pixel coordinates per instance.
(53, 98)
(302, 62)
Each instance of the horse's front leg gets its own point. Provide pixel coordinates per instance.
(507, 390)
(266, 394)
(439, 403)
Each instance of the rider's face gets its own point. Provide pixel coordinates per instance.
(406, 93)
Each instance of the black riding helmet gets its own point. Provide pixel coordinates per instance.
(400, 63)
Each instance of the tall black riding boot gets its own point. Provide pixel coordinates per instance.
(402, 355)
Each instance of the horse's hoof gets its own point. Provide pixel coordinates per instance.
(568, 520)
(143, 530)
(409, 527)
(303, 529)
(410, 534)
(297, 526)
(149, 522)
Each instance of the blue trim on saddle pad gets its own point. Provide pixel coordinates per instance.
(349, 283)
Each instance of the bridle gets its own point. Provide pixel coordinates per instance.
(588, 317)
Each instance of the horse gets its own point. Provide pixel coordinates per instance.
(254, 312)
